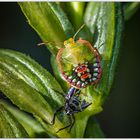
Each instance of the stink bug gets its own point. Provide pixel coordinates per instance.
(79, 63)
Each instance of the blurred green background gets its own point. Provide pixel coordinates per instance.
(121, 114)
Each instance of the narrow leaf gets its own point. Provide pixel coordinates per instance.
(75, 12)
(23, 95)
(9, 126)
(33, 74)
(15, 86)
(32, 127)
(49, 21)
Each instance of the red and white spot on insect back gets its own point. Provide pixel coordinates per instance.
(84, 74)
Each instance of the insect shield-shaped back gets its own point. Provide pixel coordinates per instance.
(79, 63)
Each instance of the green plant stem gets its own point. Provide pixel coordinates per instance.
(74, 11)
(93, 129)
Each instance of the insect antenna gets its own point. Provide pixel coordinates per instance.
(101, 45)
(48, 42)
(78, 31)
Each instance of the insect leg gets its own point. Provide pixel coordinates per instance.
(85, 104)
(70, 93)
(55, 113)
(70, 123)
(73, 117)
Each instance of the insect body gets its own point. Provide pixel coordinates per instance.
(79, 63)
(73, 104)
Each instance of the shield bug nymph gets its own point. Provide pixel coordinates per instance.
(79, 63)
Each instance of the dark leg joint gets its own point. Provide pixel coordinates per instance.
(70, 123)
(63, 128)
(55, 113)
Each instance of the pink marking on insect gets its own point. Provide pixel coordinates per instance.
(82, 68)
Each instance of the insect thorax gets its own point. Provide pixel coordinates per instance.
(73, 105)
(79, 63)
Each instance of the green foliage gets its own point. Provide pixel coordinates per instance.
(75, 12)
(21, 89)
(93, 129)
(108, 34)
(9, 127)
(35, 91)
(32, 127)
(49, 21)
(130, 9)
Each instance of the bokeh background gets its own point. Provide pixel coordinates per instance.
(121, 115)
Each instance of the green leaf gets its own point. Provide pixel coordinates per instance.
(130, 9)
(33, 74)
(49, 21)
(9, 126)
(93, 129)
(14, 84)
(107, 30)
(75, 13)
(32, 127)
(23, 95)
